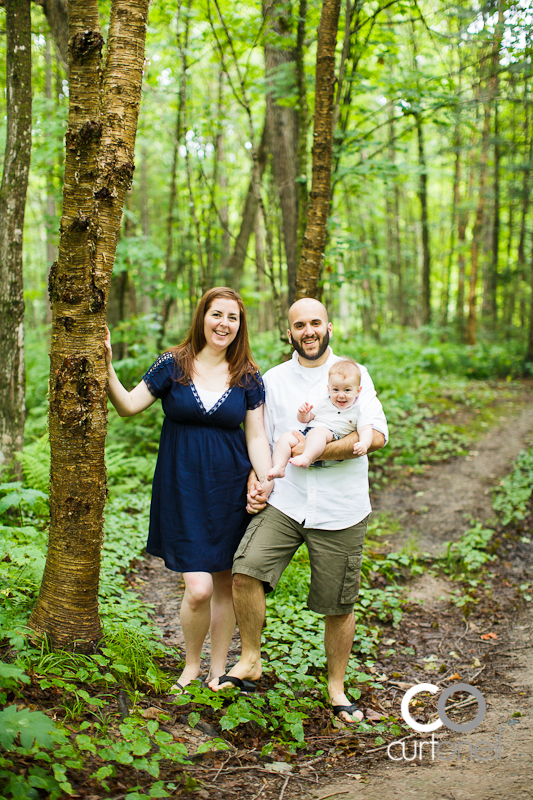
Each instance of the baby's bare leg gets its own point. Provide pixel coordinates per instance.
(315, 443)
(281, 455)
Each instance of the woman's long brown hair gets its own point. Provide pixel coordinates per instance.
(238, 354)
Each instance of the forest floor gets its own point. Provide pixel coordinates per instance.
(490, 645)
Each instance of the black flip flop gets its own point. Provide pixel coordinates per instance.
(244, 686)
(348, 710)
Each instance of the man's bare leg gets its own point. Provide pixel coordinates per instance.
(250, 609)
(338, 639)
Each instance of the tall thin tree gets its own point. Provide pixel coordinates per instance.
(322, 154)
(12, 205)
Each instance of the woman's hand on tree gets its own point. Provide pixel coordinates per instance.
(108, 349)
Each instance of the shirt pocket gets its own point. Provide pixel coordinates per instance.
(352, 579)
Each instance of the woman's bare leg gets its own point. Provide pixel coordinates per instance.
(195, 616)
(222, 622)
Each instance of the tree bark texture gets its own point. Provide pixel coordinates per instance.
(12, 205)
(322, 153)
(303, 114)
(423, 198)
(529, 351)
(235, 264)
(56, 13)
(103, 112)
(282, 127)
(471, 323)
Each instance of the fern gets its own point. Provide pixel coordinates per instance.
(36, 464)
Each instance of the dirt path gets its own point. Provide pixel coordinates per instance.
(508, 721)
(432, 509)
(435, 507)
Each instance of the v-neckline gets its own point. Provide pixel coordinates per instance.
(217, 404)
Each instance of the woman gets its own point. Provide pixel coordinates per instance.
(208, 385)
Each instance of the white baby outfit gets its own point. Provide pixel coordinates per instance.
(340, 421)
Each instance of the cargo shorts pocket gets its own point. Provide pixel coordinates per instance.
(352, 579)
(249, 534)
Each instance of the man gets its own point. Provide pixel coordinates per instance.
(325, 506)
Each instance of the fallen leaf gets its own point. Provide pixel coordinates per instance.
(372, 715)
(150, 713)
(279, 766)
(453, 654)
(455, 677)
(489, 636)
(401, 684)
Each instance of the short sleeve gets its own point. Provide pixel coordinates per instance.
(159, 377)
(255, 391)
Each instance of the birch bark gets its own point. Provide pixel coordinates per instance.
(322, 154)
(103, 112)
(12, 205)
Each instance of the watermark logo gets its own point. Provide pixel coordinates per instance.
(482, 751)
(443, 717)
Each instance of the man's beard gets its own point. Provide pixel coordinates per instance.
(322, 347)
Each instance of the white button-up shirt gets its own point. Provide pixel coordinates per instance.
(331, 497)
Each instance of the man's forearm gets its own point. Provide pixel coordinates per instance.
(342, 449)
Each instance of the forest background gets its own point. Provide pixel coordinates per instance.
(430, 219)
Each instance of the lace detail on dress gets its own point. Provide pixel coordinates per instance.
(158, 365)
(217, 404)
(256, 382)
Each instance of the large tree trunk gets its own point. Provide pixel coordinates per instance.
(282, 127)
(320, 195)
(12, 205)
(103, 113)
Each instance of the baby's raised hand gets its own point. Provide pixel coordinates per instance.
(305, 408)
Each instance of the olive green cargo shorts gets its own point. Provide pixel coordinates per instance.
(271, 540)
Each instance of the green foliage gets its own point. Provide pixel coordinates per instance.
(469, 553)
(511, 498)
(36, 463)
(15, 496)
(29, 726)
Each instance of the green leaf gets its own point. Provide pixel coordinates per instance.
(29, 725)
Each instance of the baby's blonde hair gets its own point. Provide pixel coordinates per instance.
(345, 368)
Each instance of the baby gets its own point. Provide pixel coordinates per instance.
(335, 417)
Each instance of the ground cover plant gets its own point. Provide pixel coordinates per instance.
(106, 720)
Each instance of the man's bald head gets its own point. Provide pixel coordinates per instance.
(307, 306)
(309, 331)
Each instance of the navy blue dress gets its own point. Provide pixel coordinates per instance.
(198, 514)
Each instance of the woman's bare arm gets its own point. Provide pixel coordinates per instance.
(126, 403)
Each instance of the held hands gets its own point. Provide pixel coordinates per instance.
(258, 493)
